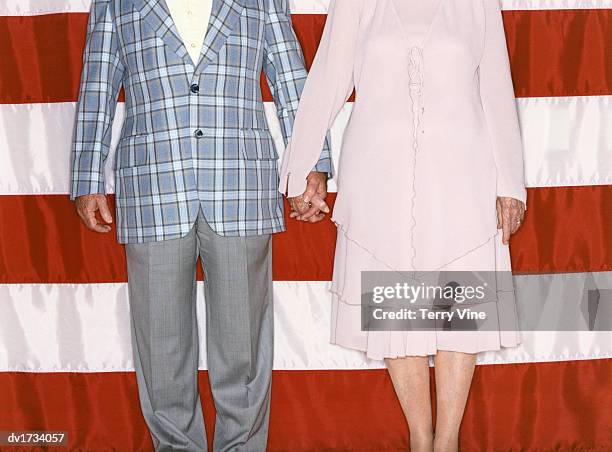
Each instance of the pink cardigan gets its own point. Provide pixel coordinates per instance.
(433, 137)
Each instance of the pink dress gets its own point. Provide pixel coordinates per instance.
(432, 140)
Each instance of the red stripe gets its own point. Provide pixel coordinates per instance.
(42, 240)
(567, 229)
(42, 55)
(543, 406)
(560, 52)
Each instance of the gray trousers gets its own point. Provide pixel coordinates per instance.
(239, 337)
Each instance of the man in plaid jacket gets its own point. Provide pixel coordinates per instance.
(195, 174)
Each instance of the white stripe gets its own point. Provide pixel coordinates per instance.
(85, 328)
(555, 4)
(567, 141)
(35, 7)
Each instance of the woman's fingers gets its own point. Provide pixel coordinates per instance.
(506, 229)
(312, 187)
(311, 212)
(316, 211)
(320, 204)
(518, 215)
(510, 213)
(515, 221)
(316, 218)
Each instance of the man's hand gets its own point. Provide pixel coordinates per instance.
(310, 206)
(86, 207)
(510, 214)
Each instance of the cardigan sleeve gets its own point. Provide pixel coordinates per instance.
(285, 71)
(499, 105)
(328, 86)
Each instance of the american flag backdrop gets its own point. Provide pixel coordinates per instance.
(65, 354)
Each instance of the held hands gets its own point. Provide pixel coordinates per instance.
(86, 207)
(310, 206)
(510, 214)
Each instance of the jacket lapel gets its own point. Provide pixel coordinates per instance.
(157, 15)
(224, 18)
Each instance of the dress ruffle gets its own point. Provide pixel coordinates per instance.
(352, 257)
(415, 84)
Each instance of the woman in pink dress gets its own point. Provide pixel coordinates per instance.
(430, 177)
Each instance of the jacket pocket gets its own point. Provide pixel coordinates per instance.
(257, 144)
(133, 150)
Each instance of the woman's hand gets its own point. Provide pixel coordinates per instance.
(310, 206)
(510, 214)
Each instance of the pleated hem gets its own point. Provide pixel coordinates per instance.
(378, 345)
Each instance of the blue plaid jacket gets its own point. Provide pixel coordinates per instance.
(195, 133)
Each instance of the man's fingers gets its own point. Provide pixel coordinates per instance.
(102, 228)
(292, 205)
(81, 214)
(298, 204)
(104, 210)
(86, 207)
(92, 222)
(89, 217)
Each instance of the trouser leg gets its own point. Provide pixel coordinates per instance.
(162, 294)
(239, 325)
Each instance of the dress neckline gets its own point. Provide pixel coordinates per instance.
(432, 24)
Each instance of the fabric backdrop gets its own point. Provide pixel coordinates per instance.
(65, 356)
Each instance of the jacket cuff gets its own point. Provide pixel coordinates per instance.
(324, 166)
(82, 186)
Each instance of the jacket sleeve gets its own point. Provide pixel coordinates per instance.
(329, 85)
(499, 105)
(286, 74)
(101, 80)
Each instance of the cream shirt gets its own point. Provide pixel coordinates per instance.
(191, 19)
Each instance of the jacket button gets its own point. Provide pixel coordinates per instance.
(198, 133)
(195, 88)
